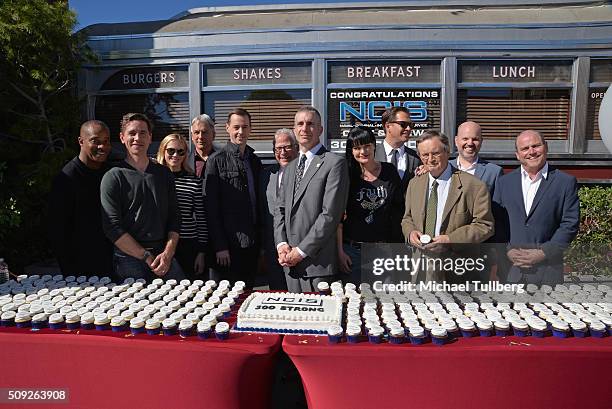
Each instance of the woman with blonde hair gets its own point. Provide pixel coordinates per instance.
(190, 252)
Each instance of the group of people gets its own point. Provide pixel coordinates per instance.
(306, 218)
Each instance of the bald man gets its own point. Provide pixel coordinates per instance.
(468, 142)
(74, 220)
(537, 213)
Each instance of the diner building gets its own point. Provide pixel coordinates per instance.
(510, 65)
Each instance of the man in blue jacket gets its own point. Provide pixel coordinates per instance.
(537, 214)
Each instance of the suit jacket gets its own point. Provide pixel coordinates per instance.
(552, 222)
(413, 162)
(309, 218)
(268, 196)
(467, 216)
(487, 172)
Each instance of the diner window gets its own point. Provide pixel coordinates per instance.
(600, 80)
(269, 109)
(168, 111)
(504, 113)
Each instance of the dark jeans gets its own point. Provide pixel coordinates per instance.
(186, 253)
(128, 266)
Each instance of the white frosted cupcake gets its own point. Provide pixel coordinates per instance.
(169, 326)
(118, 324)
(56, 321)
(334, 333)
(222, 330)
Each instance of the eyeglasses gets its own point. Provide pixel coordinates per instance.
(403, 124)
(172, 152)
(432, 154)
(286, 148)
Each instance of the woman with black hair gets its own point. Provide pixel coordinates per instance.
(375, 203)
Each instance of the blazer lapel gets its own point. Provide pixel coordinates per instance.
(518, 187)
(544, 185)
(454, 192)
(421, 186)
(480, 170)
(380, 155)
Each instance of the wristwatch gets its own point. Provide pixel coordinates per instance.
(146, 255)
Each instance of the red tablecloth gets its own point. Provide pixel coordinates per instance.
(493, 372)
(140, 372)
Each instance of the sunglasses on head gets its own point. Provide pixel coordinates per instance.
(403, 124)
(172, 152)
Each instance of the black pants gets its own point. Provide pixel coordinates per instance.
(186, 253)
(243, 266)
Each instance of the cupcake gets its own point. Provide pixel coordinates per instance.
(169, 326)
(23, 320)
(538, 328)
(520, 328)
(397, 335)
(204, 330)
(137, 325)
(40, 321)
(353, 332)
(56, 321)
(87, 320)
(185, 328)
(7, 319)
(598, 329)
(152, 326)
(375, 334)
(439, 336)
(579, 329)
(323, 288)
(222, 330)
(334, 334)
(485, 328)
(102, 322)
(468, 329)
(73, 320)
(560, 329)
(118, 324)
(225, 310)
(502, 327)
(451, 329)
(417, 335)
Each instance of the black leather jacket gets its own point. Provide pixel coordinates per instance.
(231, 221)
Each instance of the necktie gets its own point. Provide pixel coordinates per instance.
(432, 210)
(394, 153)
(300, 172)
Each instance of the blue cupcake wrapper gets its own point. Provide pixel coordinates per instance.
(454, 334)
(137, 331)
(153, 331)
(169, 331)
(417, 340)
(501, 332)
(186, 333)
(24, 324)
(73, 325)
(579, 334)
(7, 323)
(103, 327)
(521, 332)
(353, 339)
(222, 336)
(204, 335)
(118, 328)
(560, 334)
(485, 332)
(468, 334)
(396, 340)
(598, 334)
(438, 341)
(39, 324)
(537, 333)
(374, 339)
(87, 326)
(59, 325)
(333, 339)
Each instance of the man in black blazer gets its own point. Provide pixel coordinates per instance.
(397, 124)
(537, 211)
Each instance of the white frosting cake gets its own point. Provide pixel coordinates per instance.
(289, 313)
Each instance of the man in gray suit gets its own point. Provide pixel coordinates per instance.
(397, 124)
(468, 142)
(311, 202)
(285, 149)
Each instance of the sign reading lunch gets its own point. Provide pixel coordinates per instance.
(515, 71)
(394, 71)
(257, 74)
(349, 107)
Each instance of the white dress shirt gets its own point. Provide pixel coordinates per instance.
(470, 169)
(531, 186)
(401, 157)
(443, 187)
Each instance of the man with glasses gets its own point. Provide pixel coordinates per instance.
(231, 186)
(202, 135)
(444, 206)
(139, 208)
(397, 124)
(286, 149)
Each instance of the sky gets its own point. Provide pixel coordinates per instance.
(118, 11)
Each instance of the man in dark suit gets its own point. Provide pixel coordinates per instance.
(468, 142)
(231, 179)
(538, 214)
(397, 124)
(285, 149)
(312, 200)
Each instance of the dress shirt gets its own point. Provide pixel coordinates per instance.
(443, 187)
(531, 186)
(401, 157)
(470, 169)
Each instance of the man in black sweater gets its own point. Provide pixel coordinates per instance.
(75, 228)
